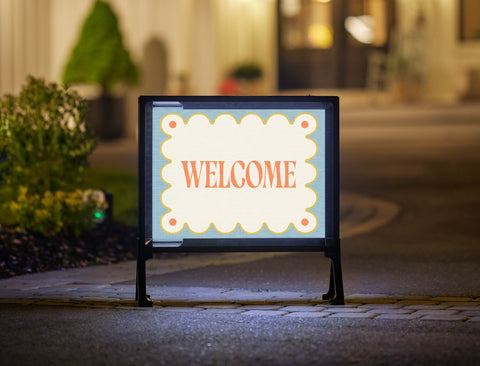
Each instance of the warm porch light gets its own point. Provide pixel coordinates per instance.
(361, 28)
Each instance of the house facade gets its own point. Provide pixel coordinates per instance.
(191, 46)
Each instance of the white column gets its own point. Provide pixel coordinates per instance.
(6, 46)
(24, 42)
(203, 75)
(246, 31)
(442, 70)
(439, 80)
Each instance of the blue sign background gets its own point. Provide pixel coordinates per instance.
(158, 185)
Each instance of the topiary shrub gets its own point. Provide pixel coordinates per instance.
(99, 56)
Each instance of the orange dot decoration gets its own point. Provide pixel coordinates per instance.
(305, 124)
(305, 222)
(172, 222)
(172, 124)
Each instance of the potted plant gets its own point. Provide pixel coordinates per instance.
(100, 58)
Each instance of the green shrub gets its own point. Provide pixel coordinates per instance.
(99, 56)
(44, 149)
(67, 212)
(43, 138)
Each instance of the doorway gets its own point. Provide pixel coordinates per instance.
(327, 43)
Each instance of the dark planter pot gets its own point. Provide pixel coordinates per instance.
(106, 116)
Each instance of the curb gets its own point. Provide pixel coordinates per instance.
(458, 309)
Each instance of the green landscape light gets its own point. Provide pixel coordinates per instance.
(103, 211)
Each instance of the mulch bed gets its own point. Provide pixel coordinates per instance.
(28, 252)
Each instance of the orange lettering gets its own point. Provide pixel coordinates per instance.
(271, 174)
(241, 173)
(195, 174)
(209, 173)
(232, 174)
(290, 172)
(260, 174)
(221, 184)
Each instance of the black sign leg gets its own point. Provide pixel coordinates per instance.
(141, 290)
(331, 288)
(336, 268)
(335, 289)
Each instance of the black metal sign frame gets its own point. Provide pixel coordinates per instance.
(330, 244)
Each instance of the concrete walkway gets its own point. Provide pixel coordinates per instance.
(105, 285)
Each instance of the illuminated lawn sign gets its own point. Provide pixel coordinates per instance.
(239, 174)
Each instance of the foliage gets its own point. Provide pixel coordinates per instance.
(67, 212)
(45, 145)
(247, 71)
(100, 56)
(45, 139)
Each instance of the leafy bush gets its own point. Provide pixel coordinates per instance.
(67, 212)
(44, 149)
(43, 138)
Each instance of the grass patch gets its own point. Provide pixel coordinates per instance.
(123, 184)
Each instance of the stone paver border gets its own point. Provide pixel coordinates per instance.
(357, 307)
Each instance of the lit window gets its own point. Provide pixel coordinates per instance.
(306, 23)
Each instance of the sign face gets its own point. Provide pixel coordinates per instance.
(241, 173)
(236, 172)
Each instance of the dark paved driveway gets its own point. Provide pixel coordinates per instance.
(425, 161)
(78, 336)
